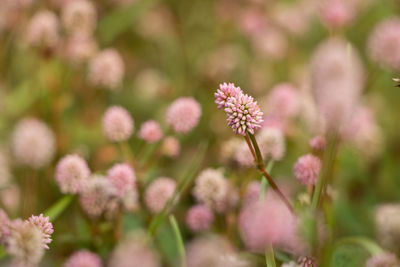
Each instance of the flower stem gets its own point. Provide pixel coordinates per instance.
(269, 257)
(261, 168)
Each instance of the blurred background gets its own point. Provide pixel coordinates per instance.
(65, 62)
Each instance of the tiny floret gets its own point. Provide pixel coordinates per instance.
(225, 92)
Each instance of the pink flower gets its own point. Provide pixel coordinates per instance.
(122, 177)
(72, 172)
(383, 260)
(283, 101)
(79, 48)
(150, 131)
(318, 143)
(96, 197)
(117, 124)
(199, 218)
(170, 147)
(336, 13)
(158, 193)
(225, 92)
(107, 69)
(337, 77)
(244, 115)
(267, 222)
(306, 261)
(33, 143)
(42, 30)
(307, 168)
(45, 227)
(183, 114)
(384, 43)
(79, 17)
(83, 258)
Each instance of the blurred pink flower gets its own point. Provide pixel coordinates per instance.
(199, 218)
(170, 147)
(336, 13)
(268, 222)
(283, 101)
(79, 17)
(158, 193)
(83, 258)
(80, 48)
(317, 143)
(150, 131)
(337, 77)
(122, 177)
(45, 227)
(133, 251)
(307, 168)
(96, 196)
(183, 114)
(42, 30)
(211, 188)
(72, 172)
(117, 124)
(383, 260)
(384, 43)
(33, 143)
(107, 69)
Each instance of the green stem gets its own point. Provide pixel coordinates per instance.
(261, 167)
(363, 242)
(54, 211)
(327, 168)
(179, 240)
(269, 257)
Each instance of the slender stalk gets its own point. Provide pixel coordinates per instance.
(326, 172)
(261, 167)
(269, 257)
(250, 146)
(179, 240)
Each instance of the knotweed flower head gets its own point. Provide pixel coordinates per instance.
(225, 92)
(387, 220)
(42, 30)
(72, 172)
(183, 114)
(272, 143)
(4, 226)
(337, 81)
(107, 69)
(170, 147)
(211, 187)
(199, 218)
(158, 193)
(243, 114)
(79, 17)
(96, 196)
(384, 43)
(317, 143)
(80, 48)
(212, 250)
(306, 261)
(150, 131)
(33, 143)
(336, 13)
(383, 260)
(25, 243)
(10, 197)
(83, 258)
(122, 177)
(283, 101)
(45, 227)
(307, 168)
(117, 124)
(134, 251)
(268, 222)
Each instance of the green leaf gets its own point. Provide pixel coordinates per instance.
(179, 241)
(54, 211)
